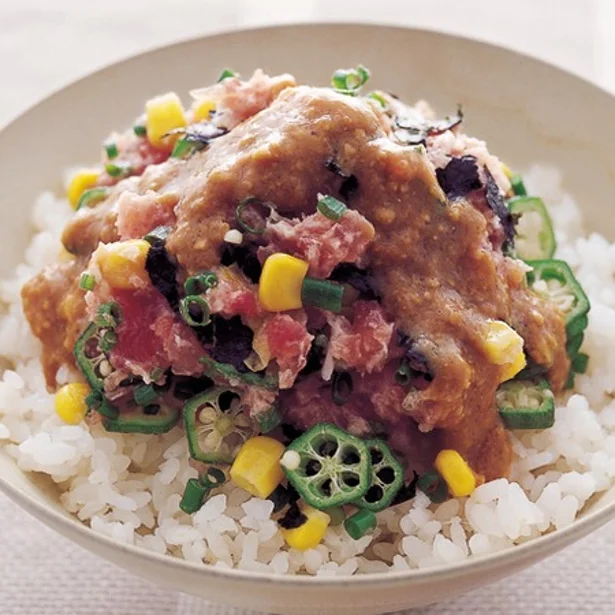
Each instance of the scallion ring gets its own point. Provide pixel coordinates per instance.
(324, 294)
(91, 197)
(331, 208)
(158, 236)
(195, 311)
(213, 477)
(139, 130)
(87, 281)
(116, 170)
(379, 98)
(349, 81)
(111, 150)
(341, 387)
(201, 282)
(243, 210)
(144, 394)
(182, 148)
(108, 315)
(226, 74)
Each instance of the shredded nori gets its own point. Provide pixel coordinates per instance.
(350, 183)
(417, 129)
(232, 342)
(459, 177)
(496, 202)
(290, 432)
(203, 133)
(293, 518)
(185, 387)
(407, 492)
(245, 258)
(280, 498)
(359, 279)
(162, 270)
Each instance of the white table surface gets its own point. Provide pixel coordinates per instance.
(45, 44)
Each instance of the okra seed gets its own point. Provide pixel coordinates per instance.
(291, 460)
(105, 368)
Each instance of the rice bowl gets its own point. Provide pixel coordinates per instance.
(419, 523)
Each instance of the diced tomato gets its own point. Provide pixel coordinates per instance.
(289, 343)
(323, 243)
(234, 295)
(138, 214)
(362, 344)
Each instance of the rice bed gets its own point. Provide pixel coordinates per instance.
(129, 486)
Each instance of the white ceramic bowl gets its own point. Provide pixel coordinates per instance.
(526, 110)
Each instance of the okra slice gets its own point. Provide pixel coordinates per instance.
(534, 237)
(386, 480)
(334, 467)
(152, 419)
(526, 404)
(554, 280)
(216, 426)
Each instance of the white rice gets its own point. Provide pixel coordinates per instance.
(129, 486)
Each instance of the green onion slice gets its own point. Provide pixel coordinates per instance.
(182, 148)
(111, 149)
(379, 98)
(193, 496)
(331, 208)
(116, 170)
(341, 387)
(139, 130)
(145, 395)
(92, 196)
(324, 294)
(248, 210)
(158, 236)
(349, 81)
(359, 524)
(213, 477)
(226, 74)
(87, 281)
(200, 283)
(108, 315)
(195, 311)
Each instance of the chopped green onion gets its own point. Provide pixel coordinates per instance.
(379, 99)
(139, 130)
(324, 294)
(269, 420)
(158, 236)
(193, 496)
(144, 394)
(243, 209)
(570, 381)
(91, 197)
(404, 373)
(579, 363)
(360, 523)
(518, 186)
(108, 341)
(195, 311)
(226, 74)
(108, 315)
(213, 477)
(115, 170)
(331, 208)
(111, 149)
(573, 344)
(349, 81)
(433, 486)
(341, 387)
(215, 369)
(182, 147)
(200, 283)
(87, 281)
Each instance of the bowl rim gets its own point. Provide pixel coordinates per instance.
(472, 565)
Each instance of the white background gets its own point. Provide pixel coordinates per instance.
(45, 44)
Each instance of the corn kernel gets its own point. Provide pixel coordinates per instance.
(510, 370)
(506, 170)
(257, 466)
(122, 264)
(502, 344)
(311, 533)
(163, 114)
(70, 403)
(82, 180)
(203, 109)
(456, 472)
(279, 288)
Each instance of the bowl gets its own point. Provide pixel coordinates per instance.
(527, 111)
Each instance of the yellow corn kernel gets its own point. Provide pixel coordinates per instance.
(510, 370)
(456, 472)
(506, 170)
(279, 288)
(257, 466)
(122, 264)
(82, 180)
(311, 533)
(502, 344)
(163, 114)
(70, 403)
(202, 109)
